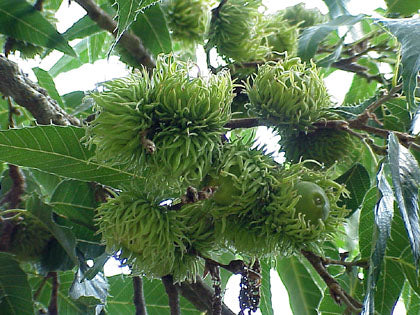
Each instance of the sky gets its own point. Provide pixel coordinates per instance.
(86, 78)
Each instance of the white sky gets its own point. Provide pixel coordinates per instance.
(87, 76)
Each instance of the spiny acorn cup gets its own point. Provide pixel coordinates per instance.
(29, 238)
(303, 17)
(255, 195)
(170, 112)
(288, 93)
(237, 30)
(152, 239)
(284, 37)
(323, 145)
(187, 19)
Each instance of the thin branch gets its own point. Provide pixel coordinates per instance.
(338, 294)
(41, 286)
(128, 40)
(348, 264)
(53, 306)
(245, 123)
(139, 301)
(214, 271)
(15, 83)
(172, 292)
(201, 296)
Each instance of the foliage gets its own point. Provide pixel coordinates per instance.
(161, 170)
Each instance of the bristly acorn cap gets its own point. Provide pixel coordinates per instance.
(288, 93)
(177, 112)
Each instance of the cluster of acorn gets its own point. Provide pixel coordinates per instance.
(168, 126)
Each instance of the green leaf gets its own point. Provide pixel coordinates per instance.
(411, 300)
(357, 182)
(304, 294)
(20, 20)
(73, 99)
(312, 36)
(406, 180)
(65, 304)
(336, 8)
(47, 82)
(384, 211)
(397, 110)
(265, 290)
(120, 300)
(405, 7)
(367, 221)
(152, 29)
(407, 32)
(15, 292)
(360, 89)
(57, 150)
(89, 292)
(127, 11)
(75, 202)
(88, 50)
(45, 214)
(52, 4)
(98, 265)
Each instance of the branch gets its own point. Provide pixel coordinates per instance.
(337, 292)
(348, 264)
(201, 296)
(245, 123)
(128, 40)
(15, 83)
(172, 292)
(138, 299)
(53, 306)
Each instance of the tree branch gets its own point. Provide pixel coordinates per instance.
(53, 306)
(138, 299)
(337, 292)
(15, 83)
(128, 40)
(201, 296)
(172, 292)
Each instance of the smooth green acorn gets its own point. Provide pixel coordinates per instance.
(314, 203)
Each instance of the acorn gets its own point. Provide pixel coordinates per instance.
(187, 19)
(288, 93)
(29, 238)
(169, 123)
(237, 30)
(323, 145)
(262, 208)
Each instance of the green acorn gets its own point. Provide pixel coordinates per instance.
(288, 93)
(262, 208)
(323, 145)
(284, 37)
(169, 122)
(29, 238)
(152, 239)
(237, 30)
(303, 17)
(187, 19)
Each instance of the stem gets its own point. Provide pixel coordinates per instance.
(139, 301)
(172, 292)
(53, 306)
(338, 294)
(41, 286)
(201, 296)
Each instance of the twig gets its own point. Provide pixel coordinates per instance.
(13, 197)
(201, 296)
(28, 94)
(53, 306)
(128, 40)
(245, 123)
(235, 266)
(139, 301)
(338, 294)
(172, 292)
(193, 195)
(41, 286)
(214, 271)
(348, 264)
